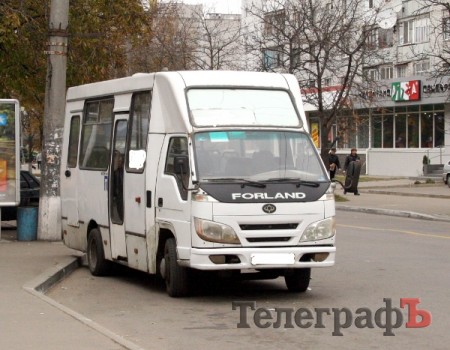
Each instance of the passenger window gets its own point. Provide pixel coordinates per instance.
(72, 156)
(178, 150)
(138, 129)
(96, 134)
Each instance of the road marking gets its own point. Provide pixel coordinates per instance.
(395, 230)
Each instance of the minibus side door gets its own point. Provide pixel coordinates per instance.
(117, 188)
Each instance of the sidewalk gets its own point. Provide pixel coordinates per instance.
(399, 197)
(27, 321)
(30, 320)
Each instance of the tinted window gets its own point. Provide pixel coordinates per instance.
(96, 134)
(139, 120)
(72, 156)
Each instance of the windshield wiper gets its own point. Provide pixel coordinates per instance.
(243, 182)
(296, 181)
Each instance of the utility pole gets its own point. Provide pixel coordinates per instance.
(49, 227)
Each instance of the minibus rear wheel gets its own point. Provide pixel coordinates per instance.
(176, 276)
(297, 280)
(97, 263)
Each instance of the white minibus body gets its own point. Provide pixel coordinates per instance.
(208, 170)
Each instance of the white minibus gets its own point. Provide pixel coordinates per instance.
(173, 172)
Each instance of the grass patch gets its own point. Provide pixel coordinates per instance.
(339, 198)
(363, 178)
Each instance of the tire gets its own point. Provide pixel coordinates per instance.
(97, 263)
(448, 180)
(176, 276)
(297, 280)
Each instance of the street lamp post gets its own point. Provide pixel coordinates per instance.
(49, 227)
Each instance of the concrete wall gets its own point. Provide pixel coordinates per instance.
(392, 162)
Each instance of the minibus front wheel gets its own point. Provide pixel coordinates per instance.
(297, 280)
(97, 263)
(175, 276)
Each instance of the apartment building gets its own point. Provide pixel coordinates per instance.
(399, 108)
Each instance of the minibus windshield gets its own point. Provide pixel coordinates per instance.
(257, 156)
(214, 107)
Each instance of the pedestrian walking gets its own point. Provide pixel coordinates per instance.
(334, 164)
(352, 167)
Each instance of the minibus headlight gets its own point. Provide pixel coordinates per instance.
(319, 230)
(214, 232)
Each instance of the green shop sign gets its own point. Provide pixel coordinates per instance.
(406, 91)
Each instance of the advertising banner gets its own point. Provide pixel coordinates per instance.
(406, 91)
(9, 152)
(315, 134)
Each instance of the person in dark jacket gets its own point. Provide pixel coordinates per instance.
(352, 157)
(333, 161)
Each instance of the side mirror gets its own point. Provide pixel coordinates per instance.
(181, 165)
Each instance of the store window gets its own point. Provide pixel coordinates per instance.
(400, 127)
(400, 131)
(388, 131)
(439, 129)
(426, 121)
(413, 130)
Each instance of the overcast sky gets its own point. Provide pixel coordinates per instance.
(221, 6)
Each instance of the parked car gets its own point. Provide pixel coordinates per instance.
(446, 173)
(29, 195)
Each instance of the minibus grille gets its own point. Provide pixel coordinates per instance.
(268, 239)
(259, 227)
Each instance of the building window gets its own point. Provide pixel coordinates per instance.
(296, 61)
(422, 30)
(414, 31)
(412, 126)
(446, 28)
(401, 70)
(386, 72)
(272, 58)
(274, 22)
(421, 67)
(413, 130)
(385, 37)
(370, 4)
(372, 39)
(371, 74)
(432, 126)
(326, 82)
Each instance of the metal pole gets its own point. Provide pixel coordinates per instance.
(55, 92)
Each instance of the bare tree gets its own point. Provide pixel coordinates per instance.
(173, 39)
(439, 44)
(322, 43)
(219, 41)
(192, 37)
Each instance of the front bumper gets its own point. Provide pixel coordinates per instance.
(260, 258)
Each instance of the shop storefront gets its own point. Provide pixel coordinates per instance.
(394, 127)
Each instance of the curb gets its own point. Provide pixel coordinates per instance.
(404, 194)
(399, 213)
(52, 276)
(42, 283)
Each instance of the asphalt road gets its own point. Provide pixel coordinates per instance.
(378, 258)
